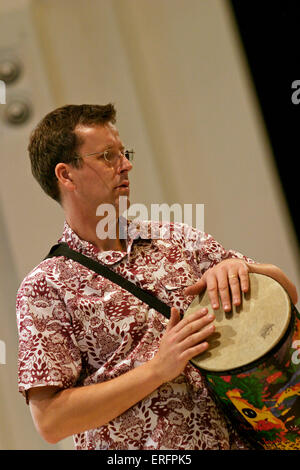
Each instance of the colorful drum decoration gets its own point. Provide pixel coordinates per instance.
(252, 365)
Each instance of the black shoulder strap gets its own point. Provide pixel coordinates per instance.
(62, 249)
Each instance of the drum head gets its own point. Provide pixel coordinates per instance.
(249, 331)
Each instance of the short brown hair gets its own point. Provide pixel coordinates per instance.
(54, 140)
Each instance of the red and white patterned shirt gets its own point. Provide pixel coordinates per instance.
(77, 328)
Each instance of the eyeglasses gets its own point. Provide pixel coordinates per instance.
(111, 158)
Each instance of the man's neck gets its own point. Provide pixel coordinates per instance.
(87, 230)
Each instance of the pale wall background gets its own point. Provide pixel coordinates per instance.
(177, 74)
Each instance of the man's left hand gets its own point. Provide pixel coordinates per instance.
(224, 281)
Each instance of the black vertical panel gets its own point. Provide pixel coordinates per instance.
(270, 33)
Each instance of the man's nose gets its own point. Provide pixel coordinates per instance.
(124, 164)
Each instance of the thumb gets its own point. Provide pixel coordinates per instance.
(196, 288)
(174, 318)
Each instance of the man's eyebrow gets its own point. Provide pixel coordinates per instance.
(108, 147)
(121, 147)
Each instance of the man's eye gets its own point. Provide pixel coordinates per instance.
(106, 155)
(110, 156)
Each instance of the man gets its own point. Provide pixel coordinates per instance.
(94, 361)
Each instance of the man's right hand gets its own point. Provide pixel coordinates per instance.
(183, 340)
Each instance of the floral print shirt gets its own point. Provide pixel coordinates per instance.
(77, 328)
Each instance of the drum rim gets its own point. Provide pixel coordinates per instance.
(251, 365)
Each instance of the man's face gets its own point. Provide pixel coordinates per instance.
(100, 181)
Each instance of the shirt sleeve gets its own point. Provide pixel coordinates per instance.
(212, 252)
(205, 251)
(48, 352)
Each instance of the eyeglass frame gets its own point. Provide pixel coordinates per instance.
(125, 153)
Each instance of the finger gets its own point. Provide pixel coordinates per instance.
(174, 318)
(189, 328)
(198, 337)
(186, 320)
(239, 282)
(196, 344)
(200, 348)
(196, 288)
(244, 278)
(235, 288)
(212, 290)
(223, 287)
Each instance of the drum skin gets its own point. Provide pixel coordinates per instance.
(261, 396)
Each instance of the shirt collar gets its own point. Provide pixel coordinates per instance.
(130, 230)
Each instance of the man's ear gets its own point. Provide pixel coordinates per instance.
(64, 175)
